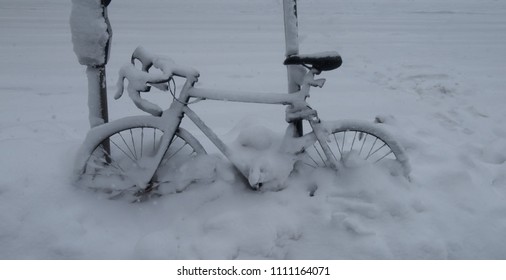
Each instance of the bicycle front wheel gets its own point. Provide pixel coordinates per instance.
(353, 143)
(132, 148)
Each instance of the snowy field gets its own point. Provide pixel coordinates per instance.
(435, 69)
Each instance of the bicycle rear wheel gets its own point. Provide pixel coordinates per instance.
(132, 148)
(353, 143)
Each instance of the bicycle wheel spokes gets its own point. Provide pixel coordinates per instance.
(126, 167)
(179, 150)
(367, 147)
(131, 143)
(130, 150)
(350, 145)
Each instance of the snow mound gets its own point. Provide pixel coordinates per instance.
(90, 35)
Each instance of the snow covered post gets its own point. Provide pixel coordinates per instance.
(292, 48)
(91, 37)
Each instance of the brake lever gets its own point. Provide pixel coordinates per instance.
(317, 83)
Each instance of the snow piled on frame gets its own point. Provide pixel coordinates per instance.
(89, 32)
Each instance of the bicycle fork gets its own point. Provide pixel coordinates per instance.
(320, 135)
(297, 113)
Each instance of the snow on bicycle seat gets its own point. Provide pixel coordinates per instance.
(324, 61)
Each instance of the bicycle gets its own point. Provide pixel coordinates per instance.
(143, 149)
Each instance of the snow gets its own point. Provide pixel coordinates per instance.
(140, 79)
(91, 38)
(291, 27)
(432, 70)
(138, 82)
(89, 32)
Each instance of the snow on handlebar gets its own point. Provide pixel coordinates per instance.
(165, 64)
(141, 80)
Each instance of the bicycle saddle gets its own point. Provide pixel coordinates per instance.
(324, 61)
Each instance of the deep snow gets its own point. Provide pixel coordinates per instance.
(434, 70)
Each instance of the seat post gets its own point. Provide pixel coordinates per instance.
(292, 48)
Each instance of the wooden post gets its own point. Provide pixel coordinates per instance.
(292, 48)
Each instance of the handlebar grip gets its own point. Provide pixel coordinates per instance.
(317, 83)
(141, 80)
(165, 64)
(144, 57)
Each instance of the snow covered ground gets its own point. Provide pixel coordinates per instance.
(435, 69)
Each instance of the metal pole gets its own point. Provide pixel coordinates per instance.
(97, 96)
(97, 84)
(104, 110)
(292, 48)
(98, 114)
(100, 69)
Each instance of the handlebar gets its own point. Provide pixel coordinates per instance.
(165, 64)
(141, 80)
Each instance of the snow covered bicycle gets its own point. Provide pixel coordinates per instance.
(145, 150)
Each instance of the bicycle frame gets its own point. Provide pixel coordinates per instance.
(173, 116)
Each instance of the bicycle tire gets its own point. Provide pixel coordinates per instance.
(113, 172)
(352, 142)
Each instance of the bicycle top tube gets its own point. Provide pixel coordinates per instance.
(246, 97)
(257, 97)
